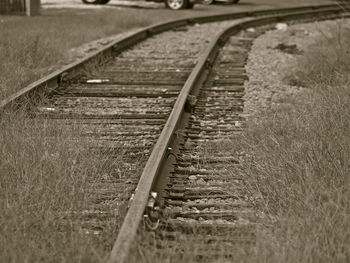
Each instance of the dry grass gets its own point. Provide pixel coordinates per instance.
(151, 250)
(298, 162)
(42, 174)
(299, 165)
(297, 168)
(46, 170)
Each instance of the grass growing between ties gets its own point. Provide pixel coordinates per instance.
(298, 161)
(300, 166)
(205, 240)
(295, 167)
(45, 172)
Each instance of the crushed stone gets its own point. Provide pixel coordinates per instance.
(273, 57)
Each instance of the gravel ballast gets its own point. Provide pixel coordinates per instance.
(274, 59)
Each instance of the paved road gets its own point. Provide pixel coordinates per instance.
(243, 5)
(79, 4)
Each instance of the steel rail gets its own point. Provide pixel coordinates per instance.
(53, 80)
(150, 173)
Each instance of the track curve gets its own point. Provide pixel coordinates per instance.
(123, 105)
(195, 197)
(121, 108)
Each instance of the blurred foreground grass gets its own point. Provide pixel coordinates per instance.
(46, 167)
(299, 158)
(46, 170)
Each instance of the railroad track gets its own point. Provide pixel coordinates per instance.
(195, 206)
(154, 105)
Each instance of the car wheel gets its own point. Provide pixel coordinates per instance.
(190, 5)
(95, 2)
(235, 1)
(176, 4)
(207, 2)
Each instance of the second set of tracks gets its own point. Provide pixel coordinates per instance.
(157, 107)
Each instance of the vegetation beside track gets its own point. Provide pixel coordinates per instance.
(32, 199)
(45, 172)
(298, 160)
(47, 169)
(296, 167)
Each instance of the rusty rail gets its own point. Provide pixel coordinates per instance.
(154, 165)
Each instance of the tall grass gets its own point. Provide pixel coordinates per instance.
(298, 161)
(46, 167)
(45, 172)
(295, 168)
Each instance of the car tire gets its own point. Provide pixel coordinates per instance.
(95, 2)
(235, 1)
(190, 5)
(207, 2)
(176, 4)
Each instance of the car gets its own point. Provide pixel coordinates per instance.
(209, 2)
(96, 2)
(172, 4)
